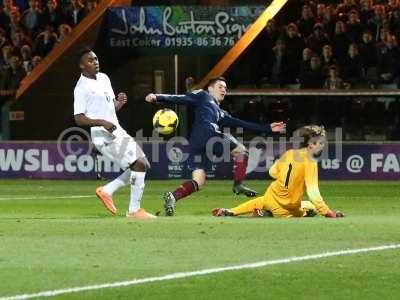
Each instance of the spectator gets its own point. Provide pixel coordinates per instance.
(334, 82)
(17, 32)
(321, 11)
(354, 27)
(313, 78)
(352, 66)
(14, 75)
(327, 58)
(345, 7)
(45, 41)
(394, 22)
(63, 31)
(15, 21)
(392, 6)
(5, 14)
(340, 41)
(75, 12)
(283, 69)
(265, 43)
(306, 22)
(31, 17)
(384, 36)
(7, 52)
(329, 20)
(317, 39)
(22, 4)
(305, 64)
(52, 14)
(3, 38)
(368, 51)
(269, 37)
(366, 11)
(26, 55)
(91, 5)
(19, 39)
(377, 21)
(35, 61)
(388, 62)
(294, 42)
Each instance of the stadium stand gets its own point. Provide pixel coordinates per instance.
(331, 45)
(30, 29)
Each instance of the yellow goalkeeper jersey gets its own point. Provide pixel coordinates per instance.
(296, 173)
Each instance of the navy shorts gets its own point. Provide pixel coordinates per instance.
(201, 158)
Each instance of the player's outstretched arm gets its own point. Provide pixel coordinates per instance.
(83, 120)
(230, 121)
(189, 99)
(311, 181)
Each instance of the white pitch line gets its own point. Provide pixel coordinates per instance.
(198, 273)
(44, 197)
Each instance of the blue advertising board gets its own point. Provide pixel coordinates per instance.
(177, 28)
(55, 160)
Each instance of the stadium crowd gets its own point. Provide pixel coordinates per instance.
(315, 44)
(348, 44)
(29, 29)
(333, 45)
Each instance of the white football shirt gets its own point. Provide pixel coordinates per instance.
(95, 98)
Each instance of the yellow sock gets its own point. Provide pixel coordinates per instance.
(248, 206)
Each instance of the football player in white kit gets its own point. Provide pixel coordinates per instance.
(95, 105)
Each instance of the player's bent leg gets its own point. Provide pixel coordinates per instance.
(199, 176)
(249, 206)
(140, 165)
(239, 188)
(275, 208)
(106, 199)
(119, 182)
(105, 193)
(241, 159)
(138, 174)
(184, 190)
(278, 211)
(261, 213)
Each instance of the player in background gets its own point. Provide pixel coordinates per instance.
(295, 173)
(209, 118)
(95, 106)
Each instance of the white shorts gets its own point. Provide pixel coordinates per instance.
(117, 146)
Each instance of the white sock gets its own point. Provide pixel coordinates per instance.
(137, 187)
(120, 181)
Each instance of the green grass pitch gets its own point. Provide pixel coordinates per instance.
(50, 243)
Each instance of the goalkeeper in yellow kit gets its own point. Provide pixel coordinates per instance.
(295, 173)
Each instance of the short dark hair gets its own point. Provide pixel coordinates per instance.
(213, 80)
(83, 51)
(308, 133)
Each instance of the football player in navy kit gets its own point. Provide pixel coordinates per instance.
(209, 118)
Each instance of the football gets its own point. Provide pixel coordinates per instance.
(165, 121)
